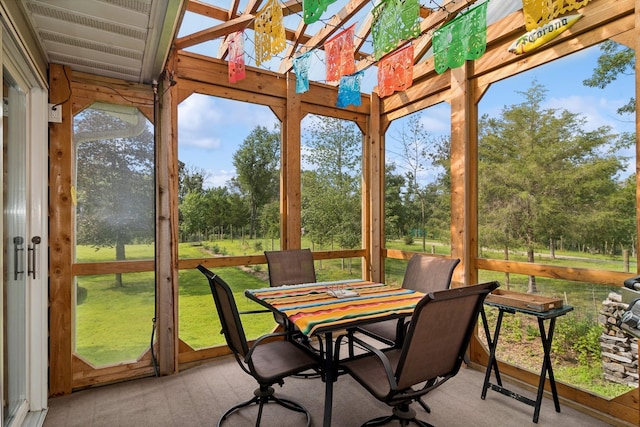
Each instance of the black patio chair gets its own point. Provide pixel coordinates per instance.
(433, 350)
(267, 360)
(424, 274)
(292, 267)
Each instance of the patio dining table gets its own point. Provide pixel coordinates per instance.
(322, 308)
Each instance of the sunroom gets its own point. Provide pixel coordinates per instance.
(443, 136)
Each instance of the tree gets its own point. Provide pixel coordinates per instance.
(540, 173)
(270, 221)
(331, 202)
(257, 164)
(114, 179)
(440, 220)
(194, 215)
(394, 210)
(418, 149)
(615, 59)
(190, 179)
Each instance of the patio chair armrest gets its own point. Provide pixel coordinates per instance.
(373, 351)
(259, 341)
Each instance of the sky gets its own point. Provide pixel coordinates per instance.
(211, 129)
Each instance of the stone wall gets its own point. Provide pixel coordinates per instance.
(619, 348)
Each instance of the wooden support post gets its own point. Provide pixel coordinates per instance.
(463, 177)
(291, 200)
(167, 230)
(61, 235)
(373, 195)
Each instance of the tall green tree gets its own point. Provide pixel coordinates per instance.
(417, 153)
(541, 172)
(331, 189)
(257, 164)
(440, 220)
(114, 179)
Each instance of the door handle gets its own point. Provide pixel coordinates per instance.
(31, 258)
(18, 241)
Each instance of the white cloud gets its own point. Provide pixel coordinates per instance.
(198, 111)
(218, 177)
(206, 143)
(598, 111)
(437, 119)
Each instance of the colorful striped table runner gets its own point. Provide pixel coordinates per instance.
(311, 307)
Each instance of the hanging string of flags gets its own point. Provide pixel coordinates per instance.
(394, 22)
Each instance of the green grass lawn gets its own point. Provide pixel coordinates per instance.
(114, 324)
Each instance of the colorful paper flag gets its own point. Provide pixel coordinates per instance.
(339, 52)
(301, 68)
(236, 57)
(463, 38)
(349, 90)
(312, 10)
(394, 21)
(395, 71)
(269, 32)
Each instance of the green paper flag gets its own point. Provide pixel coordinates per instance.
(394, 21)
(313, 9)
(463, 38)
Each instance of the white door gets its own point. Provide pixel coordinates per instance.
(16, 250)
(23, 181)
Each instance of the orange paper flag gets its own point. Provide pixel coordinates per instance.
(339, 53)
(395, 71)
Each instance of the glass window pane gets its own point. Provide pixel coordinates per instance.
(114, 183)
(417, 182)
(113, 317)
(556, 186)
(199, 323)
(229, 177)
(331, 184)
(556, 169)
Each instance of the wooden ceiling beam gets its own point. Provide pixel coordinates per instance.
(231, 26)
(231, 22)
(208, 10)
(291, 49)
(233, 9)
(252, 6)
